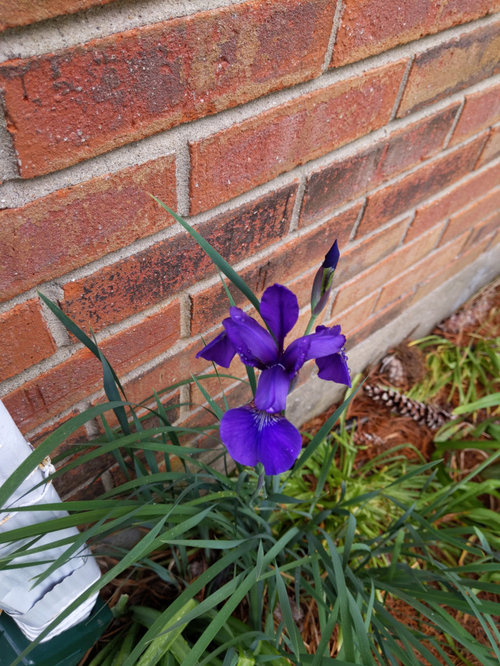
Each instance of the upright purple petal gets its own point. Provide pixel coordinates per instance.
(334, 368)
(325, 341)
(280, 310)
(254, 345)
(220, 350)
(253, 436)
(272, 389)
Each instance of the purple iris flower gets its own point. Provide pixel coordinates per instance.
(258, 432)
(264, 349)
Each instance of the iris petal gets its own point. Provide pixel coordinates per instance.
(220, 350)
(334, 368)
(279, 444)
(325, 341)
(252, 342)
(239, 432)
(272, 389)
(279, 308)
(296, 354)
(253, 436)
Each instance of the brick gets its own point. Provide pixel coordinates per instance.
(355, 316)
(474, 187)
(492, 148)
(485, 228)
(88, 220)
(345, 179)
(372, 26)
(25, 339)
(481, 110)
(452, 268)
(70, 105)
(451, 66)
(417, 186)
(371, 250)
(406, 148)
(243, 156)
(406, 282)
(379, 320)
(473, 214)
(282, 265)
(80, 375)
(78, 436)
(158, 272)
(376, 275)
(175, 368)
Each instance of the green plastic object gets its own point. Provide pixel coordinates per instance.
(66, 649)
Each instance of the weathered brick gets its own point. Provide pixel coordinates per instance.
(450, 67)
(485, 228)
(23, 12)
(141, 280)
(78, 102)
(371, 250)
(474, 187)
(243, 156)
(80, 375)
(421, 184)
(25, 339)
(372, 26)
(492, 148)
(288, 260)
(355, 316)
(379, 320)
(451, 268)
(350, 177)
(345, 179)
(481, 110)
(79, 435)
(468, 218)
(407, 281)
(407, 147)
(376, 275)
(74, 226)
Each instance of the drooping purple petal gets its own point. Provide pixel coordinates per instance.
(254, 345)
(272, 389)
(325, 341)
(280, 310)
(220, 350)
(253, 436)
(279, 444)
(334, 368)
(240, 434)
(296, 354)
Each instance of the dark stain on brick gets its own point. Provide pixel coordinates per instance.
(334, 185)
(162, 270)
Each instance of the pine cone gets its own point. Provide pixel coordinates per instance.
(432, 417)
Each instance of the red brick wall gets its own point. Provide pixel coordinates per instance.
(274, 126)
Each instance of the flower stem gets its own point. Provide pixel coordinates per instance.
(310, 324)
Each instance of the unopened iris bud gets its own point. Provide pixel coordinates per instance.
(323, 279)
